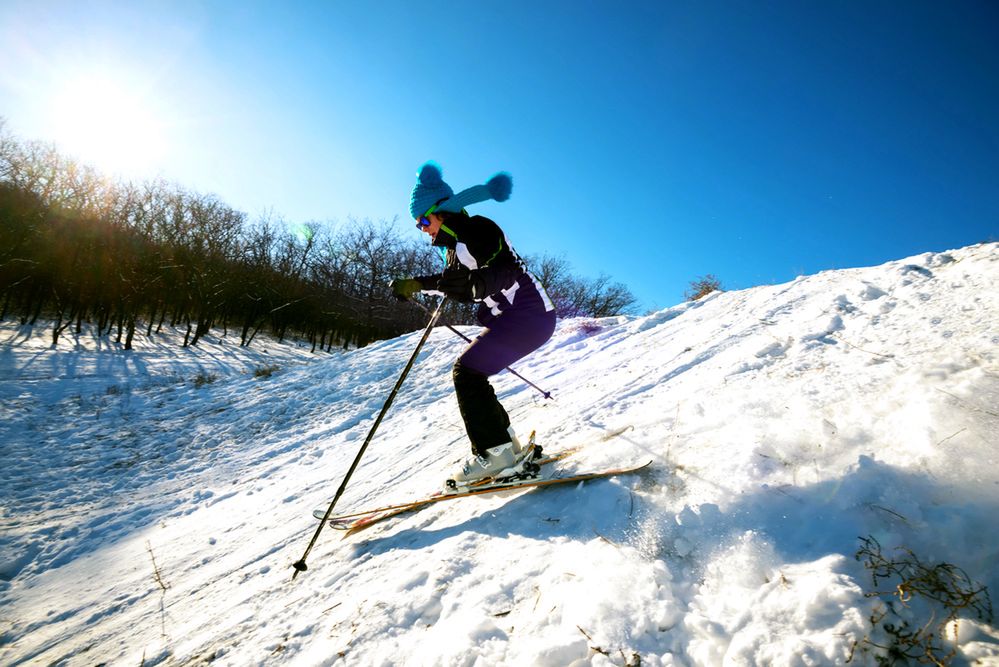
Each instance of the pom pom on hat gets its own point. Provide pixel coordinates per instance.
(500, 186)
(430, 188)
(431, 175)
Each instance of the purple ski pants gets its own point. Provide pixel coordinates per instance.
(509, 337)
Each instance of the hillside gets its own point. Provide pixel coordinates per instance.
(153, 501)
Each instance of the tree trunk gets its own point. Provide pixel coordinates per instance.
(57, 329)
(152, 320)
(131, 332)
(60, 326)
(252, 336)
(203, 326)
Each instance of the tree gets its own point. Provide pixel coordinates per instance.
(701, 287)
(79, 247)
(580, 297)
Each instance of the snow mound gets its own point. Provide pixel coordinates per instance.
(152, 502)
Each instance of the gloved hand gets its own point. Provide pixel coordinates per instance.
(460, 284)
(404, 288)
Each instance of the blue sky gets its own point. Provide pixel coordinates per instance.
(654, 142)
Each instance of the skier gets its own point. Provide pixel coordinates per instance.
(482, 267)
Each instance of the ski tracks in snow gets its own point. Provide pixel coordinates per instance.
(784, 421)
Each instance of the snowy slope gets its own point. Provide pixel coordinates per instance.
(151, 517)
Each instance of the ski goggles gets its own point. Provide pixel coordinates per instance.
(423, 221)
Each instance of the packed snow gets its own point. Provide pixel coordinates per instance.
(153, 501)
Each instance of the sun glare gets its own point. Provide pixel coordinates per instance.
(109, 126)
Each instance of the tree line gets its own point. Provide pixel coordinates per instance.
(77, 247)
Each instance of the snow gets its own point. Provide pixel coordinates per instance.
(153, 501)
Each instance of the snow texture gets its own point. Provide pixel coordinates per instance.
(153, 501)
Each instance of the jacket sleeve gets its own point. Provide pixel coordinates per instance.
(429, 282)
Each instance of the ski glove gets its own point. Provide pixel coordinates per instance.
(404, 288)
(461, 284)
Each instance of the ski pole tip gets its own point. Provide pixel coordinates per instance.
(299, 566)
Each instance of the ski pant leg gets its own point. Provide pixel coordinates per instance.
(510, 337)
(486, 422)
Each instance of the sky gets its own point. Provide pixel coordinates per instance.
(653, 142)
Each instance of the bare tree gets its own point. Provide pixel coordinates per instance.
(701, 287)
(580, 297)
(79, 247)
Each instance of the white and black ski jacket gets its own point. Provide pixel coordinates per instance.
(496, 276)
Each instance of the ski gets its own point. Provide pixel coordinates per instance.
(346, 521)
(371, 517)
(350, 521)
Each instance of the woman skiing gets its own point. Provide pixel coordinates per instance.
(481, 267)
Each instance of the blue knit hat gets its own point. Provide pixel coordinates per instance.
(430, 188)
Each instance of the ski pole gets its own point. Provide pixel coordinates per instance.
(546, 394)
(300, 565)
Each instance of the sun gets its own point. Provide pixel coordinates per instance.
(108, 124)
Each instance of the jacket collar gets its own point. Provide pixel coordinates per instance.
(446, 238)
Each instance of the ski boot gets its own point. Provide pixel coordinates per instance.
(506, 462)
